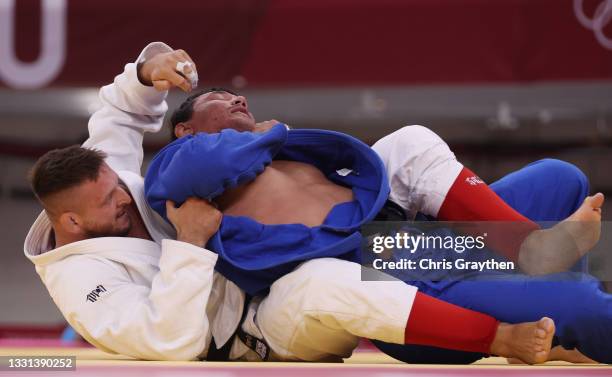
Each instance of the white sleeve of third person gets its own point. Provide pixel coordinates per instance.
(164, 321)
(129, 109)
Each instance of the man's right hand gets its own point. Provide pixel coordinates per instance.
(265, 125)
(195, 221)
(160, 71)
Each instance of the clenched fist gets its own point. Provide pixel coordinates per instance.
(160, 71)
(195, 221)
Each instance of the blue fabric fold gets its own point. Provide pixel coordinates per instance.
(251, 254)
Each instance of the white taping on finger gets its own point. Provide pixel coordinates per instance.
(191, 76)
(180, 66)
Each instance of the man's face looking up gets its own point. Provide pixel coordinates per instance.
(216, 111)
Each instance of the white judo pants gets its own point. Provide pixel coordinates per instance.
(319, 311)
(421, 169)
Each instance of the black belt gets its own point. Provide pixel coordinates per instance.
(259, 346)
(391, 212)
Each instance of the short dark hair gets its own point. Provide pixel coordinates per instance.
(61, 169)
(185, 111)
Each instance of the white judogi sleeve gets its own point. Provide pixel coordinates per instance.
(164, 321)
(129, 109)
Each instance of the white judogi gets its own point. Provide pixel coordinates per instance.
(162, 300)
(157, 300)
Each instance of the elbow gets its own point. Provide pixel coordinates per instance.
(161, 346)
(179, 355)
(186, 347)
(178, 350)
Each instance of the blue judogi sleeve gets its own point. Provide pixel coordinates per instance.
(205, 165)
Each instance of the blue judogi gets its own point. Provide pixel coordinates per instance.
(547, 190)
(254, 255)
(251, 254)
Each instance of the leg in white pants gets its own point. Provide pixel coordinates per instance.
(421, 168)
(319, 311)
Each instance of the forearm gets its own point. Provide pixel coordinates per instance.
(129, 108)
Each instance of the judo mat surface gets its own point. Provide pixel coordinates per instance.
(365, 361)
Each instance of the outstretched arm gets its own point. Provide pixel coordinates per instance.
(135, 103)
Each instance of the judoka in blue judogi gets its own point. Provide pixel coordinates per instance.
(253, 255)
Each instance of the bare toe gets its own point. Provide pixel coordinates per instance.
(596, 201)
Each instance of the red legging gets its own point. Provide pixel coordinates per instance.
(470, 199)
(437, 323)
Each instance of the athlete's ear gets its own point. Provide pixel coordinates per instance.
(183, 129)
(70, 222)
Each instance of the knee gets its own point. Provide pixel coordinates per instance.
(417, 146)
(587, 304)
(329, 274)
(416, 134)
(586, 321)
(408, 139)
(295, 295)
(314, 280)
(568, 174)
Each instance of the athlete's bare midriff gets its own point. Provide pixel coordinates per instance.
(287, 192)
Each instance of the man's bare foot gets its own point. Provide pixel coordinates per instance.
(529, 342)
(556, 249)
(559, 353)
(585, 223)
